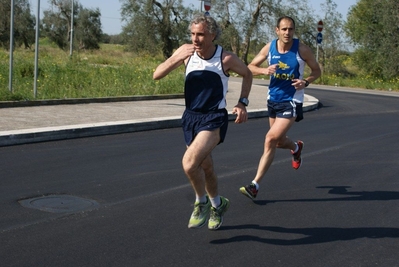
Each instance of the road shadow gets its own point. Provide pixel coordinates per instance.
(314, 235)
(345, 195)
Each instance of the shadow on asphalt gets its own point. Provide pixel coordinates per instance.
(314, 235)
(341, 190)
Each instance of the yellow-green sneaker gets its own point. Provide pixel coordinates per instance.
(200, 214)
(216, 218)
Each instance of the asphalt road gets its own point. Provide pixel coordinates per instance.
(340, 209)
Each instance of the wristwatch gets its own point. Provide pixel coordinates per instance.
(244, 101)
(307, 83)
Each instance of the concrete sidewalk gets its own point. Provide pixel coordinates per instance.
(57, 120)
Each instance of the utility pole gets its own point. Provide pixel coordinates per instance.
(11, 45)
(36, 49)
(71, 37)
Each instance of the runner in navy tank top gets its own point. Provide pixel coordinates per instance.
(286, 58)
(205, 119)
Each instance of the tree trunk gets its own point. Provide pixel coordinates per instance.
(252, 25)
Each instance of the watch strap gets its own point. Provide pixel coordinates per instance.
(244, 101)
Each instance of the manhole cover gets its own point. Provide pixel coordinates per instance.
(59, 203)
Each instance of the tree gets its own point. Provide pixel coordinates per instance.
(238, 21)
(247, 21)
(87, 24)
(57, 24)
(333, 45)
(251, 28)
(24, 23)
(155, 24)
(225, 13)
(88, 28)
(372, 25)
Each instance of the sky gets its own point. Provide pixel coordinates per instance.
(111, 18)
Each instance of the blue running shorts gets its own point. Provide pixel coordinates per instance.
(195, 122)
(287, 109)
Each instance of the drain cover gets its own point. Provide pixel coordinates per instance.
(59, 203)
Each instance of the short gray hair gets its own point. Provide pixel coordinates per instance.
(211, 25)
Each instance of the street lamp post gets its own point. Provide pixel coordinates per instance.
(11, 45)
(201, 1)
(36, 49)
(71, 37)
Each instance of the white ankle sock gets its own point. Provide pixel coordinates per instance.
(256, 184)
(201, 199)
(215, 201)
(296, 148)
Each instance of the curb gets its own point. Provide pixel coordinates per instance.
(27, 136)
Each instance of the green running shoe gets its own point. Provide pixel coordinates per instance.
(200, 214)
(216, 218)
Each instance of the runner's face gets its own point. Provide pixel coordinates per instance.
(200, 37)
(286, 31)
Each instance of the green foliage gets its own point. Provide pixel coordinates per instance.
(87, 31)
(373, 26)
(158, 27)
(56, 27)
(340, 65)
(6, 95)
(365, 82)
(154, 25)
(24, 23)
(88, 28)
(112, 71)
(111, 39)
(106, 73)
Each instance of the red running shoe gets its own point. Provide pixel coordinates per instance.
(296, 157)
(249, 191)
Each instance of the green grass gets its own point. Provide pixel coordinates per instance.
(111, 72)
(365, 82)
(105, 73)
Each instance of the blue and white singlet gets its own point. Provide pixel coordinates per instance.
(206, 83)
(290, 66)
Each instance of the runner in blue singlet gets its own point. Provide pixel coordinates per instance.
(286, 59)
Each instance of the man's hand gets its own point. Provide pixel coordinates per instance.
(184, 51)
(298, 84)
(241, 112)
(271, 69)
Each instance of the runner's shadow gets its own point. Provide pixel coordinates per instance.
(342, 190)
(315, 235)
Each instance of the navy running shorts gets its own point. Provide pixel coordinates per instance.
(195, 122)
(287, 109)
